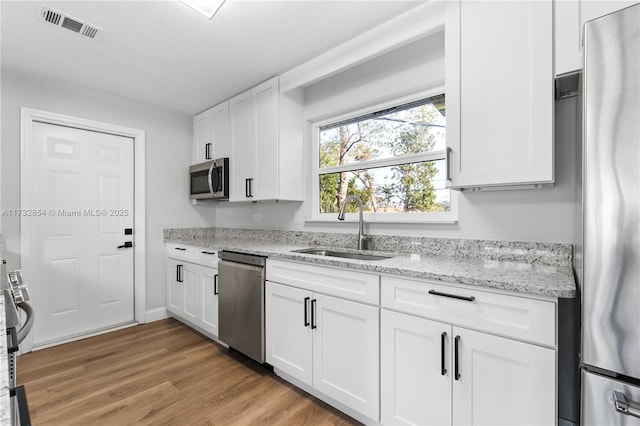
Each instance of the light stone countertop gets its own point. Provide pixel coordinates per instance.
(510, 273)
(5, 401)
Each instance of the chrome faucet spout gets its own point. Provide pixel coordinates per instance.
(362, 238)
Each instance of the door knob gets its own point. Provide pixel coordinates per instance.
(126, 245)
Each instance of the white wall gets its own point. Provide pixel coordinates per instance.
(168, 144)
(542, 215)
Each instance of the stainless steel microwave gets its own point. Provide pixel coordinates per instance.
(210, 180)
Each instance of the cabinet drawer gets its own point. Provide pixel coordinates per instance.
(209, 258)
(183, 252)
(358, 286)
(523, 318)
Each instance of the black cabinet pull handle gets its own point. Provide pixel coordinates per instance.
(443, 338)
(207, 151)
(215, 284)
(208, 252)
(248, 190)
(306, 317)
(179, 273)
(449, 163)
(453, 296)
(456, 373)
(179, 248)
(313, 314)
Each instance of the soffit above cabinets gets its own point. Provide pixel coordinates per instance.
(166, 54)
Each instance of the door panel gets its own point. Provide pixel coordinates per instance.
(346, 353)
(413, 388)
(503, 382)
(209, 299)
(81, 281)
(289, 340)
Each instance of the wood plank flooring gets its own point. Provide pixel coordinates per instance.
(161, 373)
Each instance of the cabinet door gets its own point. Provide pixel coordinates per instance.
(175, 286)
(346, 353)
(415, 365)
(242, 160)
(499, 85)
(191, 297)
(288, 330)
(503, 381)
(265, 99)
(202, 136)
(209, 299)
(220, 126)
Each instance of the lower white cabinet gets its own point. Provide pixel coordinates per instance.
(433, 373)
(192, 288)
(325, 342)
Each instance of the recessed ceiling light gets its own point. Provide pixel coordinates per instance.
(207, 8)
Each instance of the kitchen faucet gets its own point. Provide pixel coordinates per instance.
(363, 240)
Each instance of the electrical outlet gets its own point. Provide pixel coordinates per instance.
(297, 219)
(257, 217)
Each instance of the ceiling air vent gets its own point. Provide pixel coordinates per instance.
(63, 20)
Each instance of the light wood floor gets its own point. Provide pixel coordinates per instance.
(162, 373)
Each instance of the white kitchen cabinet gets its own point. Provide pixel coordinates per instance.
(326, 342)
(345, 352)
(415, 385)
(434, 373)
(499, 86)
(209, 299)
(570, 17)
(266, 143)
(211, 134)
(182, 289)
(288, 332)
(192, 287)
(502, 381)
(202, 136)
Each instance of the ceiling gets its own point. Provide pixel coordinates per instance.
(166, 54)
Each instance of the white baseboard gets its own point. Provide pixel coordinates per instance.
(156, 314)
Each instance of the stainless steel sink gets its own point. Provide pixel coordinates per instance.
(343, 254)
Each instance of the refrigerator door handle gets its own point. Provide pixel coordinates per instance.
(622, 406)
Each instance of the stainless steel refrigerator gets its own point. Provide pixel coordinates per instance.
(611, 220)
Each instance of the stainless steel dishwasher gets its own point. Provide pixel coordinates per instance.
(241, 303)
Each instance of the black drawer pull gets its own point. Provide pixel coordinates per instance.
(453, 296)
(208, 252)
(179, 248)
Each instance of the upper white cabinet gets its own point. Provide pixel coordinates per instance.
(500, 93)
(202, 136)
(266, 143)
(570, 17)
(211, 134)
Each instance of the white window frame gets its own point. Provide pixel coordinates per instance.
(427, 217)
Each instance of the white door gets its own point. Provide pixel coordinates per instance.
(503, 382)
(346, 357)
(209, 299)
(416, 370)
(81, 279)
(220, 123)
(288, 331)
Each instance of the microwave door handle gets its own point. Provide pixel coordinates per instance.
(209, 177)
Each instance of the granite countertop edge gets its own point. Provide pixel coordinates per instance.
(542, 280)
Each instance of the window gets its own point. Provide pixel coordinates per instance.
(394, 159)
